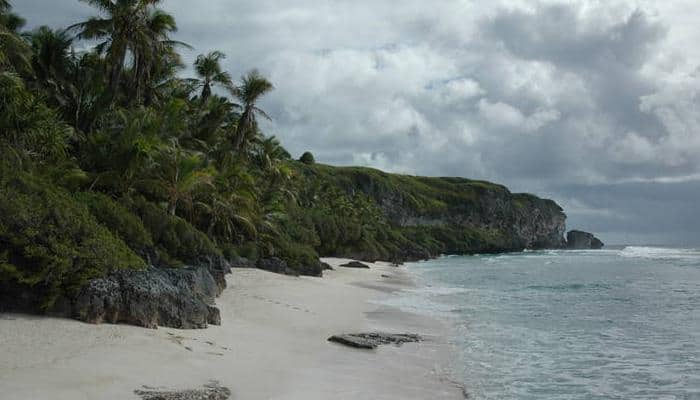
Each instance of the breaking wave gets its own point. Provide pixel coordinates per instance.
(660, 253)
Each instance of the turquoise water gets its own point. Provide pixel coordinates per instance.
(610, 324)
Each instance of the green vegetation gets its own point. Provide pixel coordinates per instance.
(110, 159)
(51, 242)
(307, 158)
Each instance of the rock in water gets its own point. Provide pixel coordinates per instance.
(211, 391)
(579, 240)
(374, 339)
(355, 264)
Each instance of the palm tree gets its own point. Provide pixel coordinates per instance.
(208, 68)
(254, 86)
(231, 213)
(180, 174)
(123, 29)
(230, 216)
(154, 53)
(14, 52)
(268, 153)
(51, 53)
(52, 60)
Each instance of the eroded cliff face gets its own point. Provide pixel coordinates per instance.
(528, 221)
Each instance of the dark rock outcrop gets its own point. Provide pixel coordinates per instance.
(279, 266)
(177, 298)
(355, 264)
(242, 262)
(311, 269)
(579, 240)
(276, 265)
(374, 339)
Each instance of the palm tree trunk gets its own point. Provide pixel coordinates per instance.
(206, 91)
(116, 69)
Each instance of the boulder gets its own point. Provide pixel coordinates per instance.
(178, 298)
(276, 265)
(312, 269)
(242, 262)
(579, 240)
(374, 339)
(355, 264)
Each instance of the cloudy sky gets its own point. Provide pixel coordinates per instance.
(593, 103)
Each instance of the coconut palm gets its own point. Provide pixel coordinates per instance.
(51, 53)
(208, 68)
(123, 30)
(155, 58)
(180, 174)
(230, 216)
(14, 51)
(51, 61)
(268, 152)
(253, 87)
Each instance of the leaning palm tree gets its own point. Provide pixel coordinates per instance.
(254, 86)
(208, 68)
(154, 53)
(119, 30)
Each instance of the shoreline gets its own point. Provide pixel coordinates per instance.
(272, 344)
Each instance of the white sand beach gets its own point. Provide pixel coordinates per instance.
(272, 344)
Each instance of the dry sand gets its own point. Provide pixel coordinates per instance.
(272, 345)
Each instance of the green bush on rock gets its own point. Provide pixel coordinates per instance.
(51, 243)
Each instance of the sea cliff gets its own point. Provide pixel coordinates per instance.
(406, 217)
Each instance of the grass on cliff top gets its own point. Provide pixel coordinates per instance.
(426, 194)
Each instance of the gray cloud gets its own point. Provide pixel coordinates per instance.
(593, 104)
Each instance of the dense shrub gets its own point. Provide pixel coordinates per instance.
(248, 250)
(177, 241)
(50, 242)
(307, 158)
(118, 219)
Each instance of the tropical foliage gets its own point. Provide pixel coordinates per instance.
(110, 158)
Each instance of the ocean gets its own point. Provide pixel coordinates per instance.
(608, 324)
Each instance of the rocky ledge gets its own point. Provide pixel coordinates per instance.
(374, 339)
(579, 240)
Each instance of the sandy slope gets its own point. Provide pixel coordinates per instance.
(272, 345)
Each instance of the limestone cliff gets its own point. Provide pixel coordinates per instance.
(428, 216)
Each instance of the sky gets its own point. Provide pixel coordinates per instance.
(593, 103)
